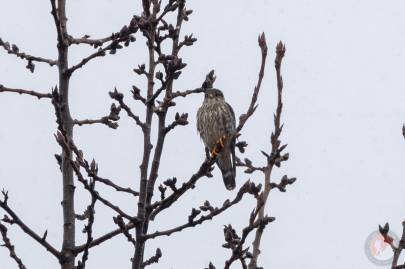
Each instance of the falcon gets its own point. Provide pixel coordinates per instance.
(216, 125)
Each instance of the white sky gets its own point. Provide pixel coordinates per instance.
(344, 96)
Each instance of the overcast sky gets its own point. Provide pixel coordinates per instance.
(344, 108)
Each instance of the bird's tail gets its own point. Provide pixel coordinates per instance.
(226, 163)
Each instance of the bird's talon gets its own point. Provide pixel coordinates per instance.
(221, 141)
(214, 152)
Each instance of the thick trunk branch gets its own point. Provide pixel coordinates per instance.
(66, 125)
(137, 262)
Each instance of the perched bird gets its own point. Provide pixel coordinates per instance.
(216, 125)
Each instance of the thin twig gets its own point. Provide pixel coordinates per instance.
(10, 247)
(104, 238)
(252, 107)
(87, 186)
(88, 229)
(28, 92)
(179, 120)
(154, 259)
(92, 42)
(13, 49)
(124, 36)
(204, 170)
(186, 93)
(250, 168)
(104, 120)
(115, 186)
(124, 228)
(248, 187)
(16, 220)
(97, 195)
(101, 52)
(111, 120)
(120, 98)
(238, 253)
(69, 145)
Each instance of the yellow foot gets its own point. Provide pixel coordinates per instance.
(218, 146)
(214, 152)
(221, 141)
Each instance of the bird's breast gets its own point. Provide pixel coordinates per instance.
(210, 123)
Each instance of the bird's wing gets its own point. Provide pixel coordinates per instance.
(232, 144)
(199, 112)
(233, 115)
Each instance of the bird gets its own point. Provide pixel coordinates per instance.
(216, 125)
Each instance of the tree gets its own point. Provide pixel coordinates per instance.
(158, 96)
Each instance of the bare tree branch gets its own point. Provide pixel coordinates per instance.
(236, 244)
(69, 146)
(252, 107)
(60, 101)
(100, 53)
(120, 98)
(111, 120)
(248, 187)
(16, 220)
(10, 247)
(149, 33)
(115, 186)
(92, 42)
(250, 168)
(125, 229)
(274, 158)
(180, 120)
(154, 259)
(92, 171)
(88, 229)
(104, 237)
(204, 170)
(104, 120)
(124, 36)
(57, 20)
(186, 93)
(27, 92)
(13, 49)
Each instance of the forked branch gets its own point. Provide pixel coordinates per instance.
(272, 159)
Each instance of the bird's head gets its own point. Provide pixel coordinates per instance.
(213, 95)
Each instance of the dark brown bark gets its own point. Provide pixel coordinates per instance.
(137, 262)
(13, 218)
(27, 92)
(66, 127)
(7, 244)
